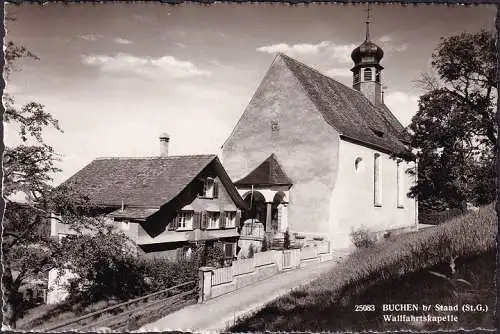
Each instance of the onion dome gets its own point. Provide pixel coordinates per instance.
(369, 51)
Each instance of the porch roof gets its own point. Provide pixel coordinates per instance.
(268, 173)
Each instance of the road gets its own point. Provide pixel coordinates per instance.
(218, 313)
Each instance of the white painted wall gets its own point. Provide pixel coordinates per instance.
(352, 201)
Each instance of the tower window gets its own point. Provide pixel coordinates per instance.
(377, 77)
(367, 75)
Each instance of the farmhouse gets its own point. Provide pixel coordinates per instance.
(321, 159)
(166, 204)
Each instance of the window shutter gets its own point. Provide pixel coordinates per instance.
(222, 221)
(173, 223)
(196, 220)
(204, 220)
(237, 219)
(216, 189)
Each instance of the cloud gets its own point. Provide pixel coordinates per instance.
(338, 72)
(146, 66)
(295, 49)
(181, 45)
(394, 47)
(404, 106)
(339, 52)
(390, 46)
(342, 52)
(90, 37)
(385, 38)
(123, 41)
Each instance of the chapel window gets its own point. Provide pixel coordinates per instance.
(357, 163)
(400, 183)
(377, 180)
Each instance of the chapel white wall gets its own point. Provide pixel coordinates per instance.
(352, 201)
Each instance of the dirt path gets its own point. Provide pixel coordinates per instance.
(218, 313)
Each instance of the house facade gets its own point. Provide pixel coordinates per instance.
(337, 155)
(165, 204)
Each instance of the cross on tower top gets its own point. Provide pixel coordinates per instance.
(368, 21)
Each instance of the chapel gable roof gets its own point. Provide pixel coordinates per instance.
(143, 182)
(348, 110)
(268, 173)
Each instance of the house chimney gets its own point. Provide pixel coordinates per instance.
(164, 139)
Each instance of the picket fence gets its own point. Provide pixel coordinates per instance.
(289, 259)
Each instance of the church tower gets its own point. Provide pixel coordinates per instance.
(367, 70)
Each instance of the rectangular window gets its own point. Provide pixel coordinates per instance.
(209, 188)
(367, 74)
(230, 218)
(377, 180)
(185, 220)
(400, 183)
(213, 219)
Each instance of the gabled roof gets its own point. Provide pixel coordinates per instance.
(348, 110)
(143, 182)
(268, 173)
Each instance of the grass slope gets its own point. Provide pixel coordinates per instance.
(460, 252)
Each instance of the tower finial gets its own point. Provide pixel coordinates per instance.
(368, 21)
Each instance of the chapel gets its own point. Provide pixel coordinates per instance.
(320, 159)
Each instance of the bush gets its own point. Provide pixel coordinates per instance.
(362, 238)
(105, 270)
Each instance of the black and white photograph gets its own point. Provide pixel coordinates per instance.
(249, 167)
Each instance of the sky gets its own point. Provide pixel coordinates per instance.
(116, 75)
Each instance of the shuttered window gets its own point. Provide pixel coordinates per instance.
(210, 188)
(230, 219)
(185, 220)
(367, 74)
(213, 220)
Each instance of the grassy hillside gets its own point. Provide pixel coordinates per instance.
(453, 263)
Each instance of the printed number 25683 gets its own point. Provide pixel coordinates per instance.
(364, 308)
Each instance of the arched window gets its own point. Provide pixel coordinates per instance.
(377, 180)
(367, 74)
(400, 183)
(357, 163)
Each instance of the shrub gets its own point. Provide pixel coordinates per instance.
(105, 270)
(362, 238)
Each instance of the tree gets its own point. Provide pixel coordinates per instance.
(454, 130)
(27, 249)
